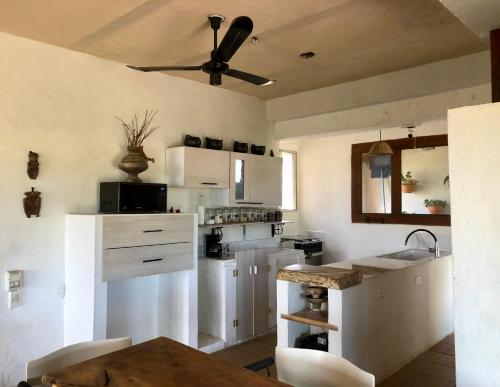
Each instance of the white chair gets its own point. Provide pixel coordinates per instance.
(72, 354)
(310, 368)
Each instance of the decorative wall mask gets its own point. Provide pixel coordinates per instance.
(33, 165)
(32, 203)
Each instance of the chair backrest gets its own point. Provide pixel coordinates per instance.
(73, 354)
(310, 368)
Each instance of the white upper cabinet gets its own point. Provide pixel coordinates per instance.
(197, 167)
(255, 180)
(265, 180)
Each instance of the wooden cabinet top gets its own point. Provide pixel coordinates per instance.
(328, 277)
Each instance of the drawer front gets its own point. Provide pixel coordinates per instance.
(129, 231)
(129, 262)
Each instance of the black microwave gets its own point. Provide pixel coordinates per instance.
(125, 197)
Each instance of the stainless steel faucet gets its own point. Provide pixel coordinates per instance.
(435, 250)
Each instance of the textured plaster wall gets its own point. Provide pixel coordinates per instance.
(475, 214)
(62, 104)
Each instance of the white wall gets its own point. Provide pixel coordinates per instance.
(62, 104)
(325, 196)
(474, 140)
(429, 167)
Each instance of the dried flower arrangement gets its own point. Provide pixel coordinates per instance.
(137, 134)
(136, 160)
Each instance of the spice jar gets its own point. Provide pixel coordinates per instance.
(219, 218)
(243, 215)
(209, 216)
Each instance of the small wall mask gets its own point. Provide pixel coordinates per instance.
(32, 203)
(33, 165)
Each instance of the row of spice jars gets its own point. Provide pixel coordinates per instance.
(223, 215)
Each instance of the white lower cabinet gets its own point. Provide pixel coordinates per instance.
(237, 297)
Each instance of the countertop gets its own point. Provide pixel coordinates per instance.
(341, 275)
(380, 263)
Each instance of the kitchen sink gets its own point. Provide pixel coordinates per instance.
(409, 255)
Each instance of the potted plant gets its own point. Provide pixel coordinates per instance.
(408, 183)
(435, 206)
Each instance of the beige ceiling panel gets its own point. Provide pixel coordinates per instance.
(60, 22)
(353, 39)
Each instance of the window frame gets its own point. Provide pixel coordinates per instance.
(296, 179)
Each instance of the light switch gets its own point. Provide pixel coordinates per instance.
(380, 294)
(418, 280)
(14, 298)
(14, 280)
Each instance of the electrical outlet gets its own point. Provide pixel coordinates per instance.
(380, 294)
(60, 290)
(418, 280)
(14, 298)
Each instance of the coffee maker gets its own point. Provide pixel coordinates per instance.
(213, 247)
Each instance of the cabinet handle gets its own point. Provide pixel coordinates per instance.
(152, 260)
(147, 231)
(208, 183)
(255, 270)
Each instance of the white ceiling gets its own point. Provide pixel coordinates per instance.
(353, 39)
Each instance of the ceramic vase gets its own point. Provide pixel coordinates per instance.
(435, 210)
(134, 163)
(408, 188)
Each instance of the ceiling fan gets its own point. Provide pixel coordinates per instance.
(240, 29)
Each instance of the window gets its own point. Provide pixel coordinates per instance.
(289, 189)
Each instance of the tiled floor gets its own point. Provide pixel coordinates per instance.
(249, 352)
(434, 368)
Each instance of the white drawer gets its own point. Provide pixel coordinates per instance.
(129, 262)
(127, 231)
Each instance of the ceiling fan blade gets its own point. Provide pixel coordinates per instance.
(215, 79)
(255, 79)
(238, 31)
(164, 68)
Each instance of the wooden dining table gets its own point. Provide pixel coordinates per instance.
(156, 363)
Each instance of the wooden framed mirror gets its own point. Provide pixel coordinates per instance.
(409, 187)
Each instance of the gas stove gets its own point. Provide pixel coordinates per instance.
(312, 247)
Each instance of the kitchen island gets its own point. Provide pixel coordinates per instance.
(397, 311)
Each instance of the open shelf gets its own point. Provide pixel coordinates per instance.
(242, 224)
(310, 317)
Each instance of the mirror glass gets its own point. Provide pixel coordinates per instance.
(239, 180)
(376, 184)
(424, 181)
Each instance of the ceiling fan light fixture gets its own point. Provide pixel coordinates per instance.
(380, 148)
(270, 82)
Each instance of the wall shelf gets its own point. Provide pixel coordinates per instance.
(242, 224)
(310, 317)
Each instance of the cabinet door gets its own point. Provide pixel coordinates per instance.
(206, 168)
(272, 272)
(239, 184)
(265, 180)
(244, 291)
(261, 292)
(230, 297)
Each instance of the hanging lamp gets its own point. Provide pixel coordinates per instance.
(380, 147)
